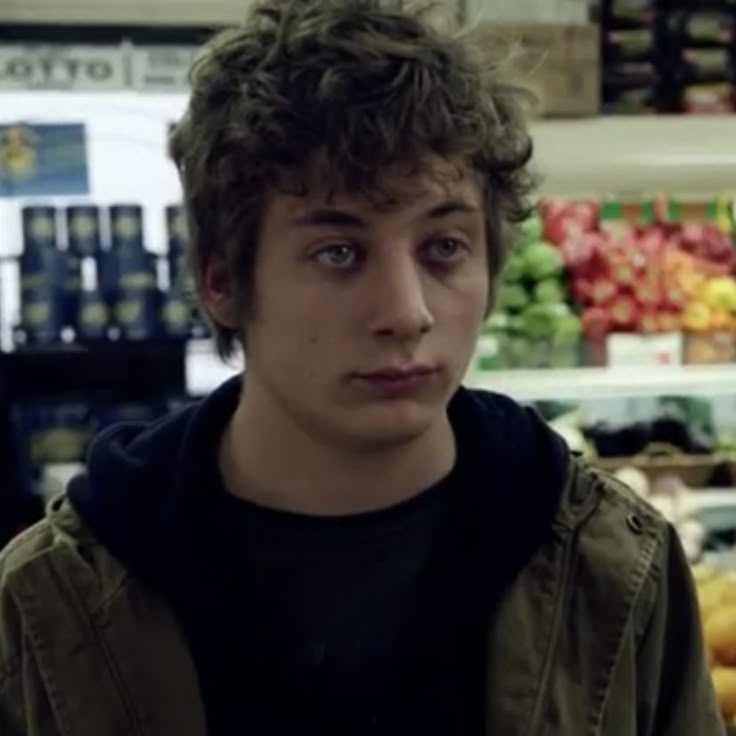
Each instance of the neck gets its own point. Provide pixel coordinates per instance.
(267, 458)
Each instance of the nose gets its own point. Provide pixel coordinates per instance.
(399, 296)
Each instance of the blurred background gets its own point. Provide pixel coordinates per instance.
(616, 314)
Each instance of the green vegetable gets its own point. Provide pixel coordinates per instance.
(497, 322)
(515, 325)
(515, 268)
(568, 330)
(542, 261)
(531, 229)
(540, 320)
(512, 297)
(549, 291)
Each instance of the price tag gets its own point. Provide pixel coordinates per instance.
(61, 67)
(645, 350)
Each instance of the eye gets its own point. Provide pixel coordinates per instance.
(340, 256)
(444, 250)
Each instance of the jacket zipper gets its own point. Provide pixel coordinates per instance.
(538, 712)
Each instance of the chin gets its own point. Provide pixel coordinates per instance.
(394, 423)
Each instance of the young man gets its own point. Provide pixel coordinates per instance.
(345, 541)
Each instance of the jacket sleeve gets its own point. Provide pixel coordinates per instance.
(12, 701)
(24, 707)
(12, 707)
(674, 689)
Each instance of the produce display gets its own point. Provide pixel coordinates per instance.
(588, 269)
(717, 600)
(534, 325)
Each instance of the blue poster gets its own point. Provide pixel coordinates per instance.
(42, 160)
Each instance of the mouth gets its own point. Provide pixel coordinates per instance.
(397, 380)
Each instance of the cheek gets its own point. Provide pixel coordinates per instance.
(469, 295)
(301, 326)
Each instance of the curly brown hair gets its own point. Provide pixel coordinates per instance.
(365, 84)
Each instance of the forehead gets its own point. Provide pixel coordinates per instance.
(396, 190)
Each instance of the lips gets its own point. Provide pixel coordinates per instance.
(397, 374)
(397, 382)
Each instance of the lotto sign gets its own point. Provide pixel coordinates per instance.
(62, 67)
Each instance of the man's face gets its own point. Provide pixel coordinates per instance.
(365, 318)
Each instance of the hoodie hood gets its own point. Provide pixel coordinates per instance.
(145, 492)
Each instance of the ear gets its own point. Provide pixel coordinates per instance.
(217, 294)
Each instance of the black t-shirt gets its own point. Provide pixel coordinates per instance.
(334, 635)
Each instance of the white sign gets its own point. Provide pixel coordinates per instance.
(645, 350)
(161, 68)
(62, 67)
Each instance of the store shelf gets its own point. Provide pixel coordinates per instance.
(601, 383)
(677, 154)
(125, 369)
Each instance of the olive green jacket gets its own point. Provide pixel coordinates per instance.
(598, 636)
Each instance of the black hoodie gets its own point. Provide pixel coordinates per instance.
(153, 496)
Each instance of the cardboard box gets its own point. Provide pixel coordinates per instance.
(560, 64)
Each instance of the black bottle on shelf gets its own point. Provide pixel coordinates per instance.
(42, 277)
(40, 228)
(176, 313)
(136, 314)
(136, 298)
(134, 266)
(83, 227)
(93, 314)
(41, 313)
(126, 227)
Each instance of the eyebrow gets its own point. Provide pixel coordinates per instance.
(451, 207)
(341, 218)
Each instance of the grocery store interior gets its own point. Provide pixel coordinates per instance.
(615, 317)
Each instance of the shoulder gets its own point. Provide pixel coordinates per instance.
(625, 541)
(45, 545)
(28, 545)
(34, 605)
(17, 554)
(601, 506)
(60, 527)
(619, 500)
